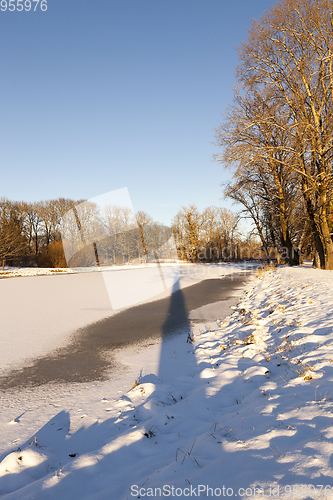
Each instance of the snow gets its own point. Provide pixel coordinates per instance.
(40, 313)
(11, 272)
(247, 405)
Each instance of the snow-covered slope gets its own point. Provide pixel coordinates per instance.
(247, 405)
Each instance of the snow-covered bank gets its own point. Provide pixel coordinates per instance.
(14, 272)
(247, 405)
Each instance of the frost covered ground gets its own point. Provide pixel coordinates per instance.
(245, 410)
(10, 272)
(39, 313)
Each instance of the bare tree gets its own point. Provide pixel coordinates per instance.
(289, 51)
(144, 222)
(218, 238)
(12, 243)
(255, 145)
(187, 225)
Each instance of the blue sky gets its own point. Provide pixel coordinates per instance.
(104, 94)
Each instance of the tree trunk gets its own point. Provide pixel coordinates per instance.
(328, 255)
(316, 259)
(325, 231)
(292, 254)
(314, 229)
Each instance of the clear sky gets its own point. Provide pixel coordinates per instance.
(97, 95)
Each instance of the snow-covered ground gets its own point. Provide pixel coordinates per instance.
(39, 313)
(245, 410)
(11, 272)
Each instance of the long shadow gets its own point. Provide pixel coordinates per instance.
(175, 323)
(221, 448)
(52, 438)
(172, 365)
(89, 356)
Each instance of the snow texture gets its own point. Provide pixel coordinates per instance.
(248, 404)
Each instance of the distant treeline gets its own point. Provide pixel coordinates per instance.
(31, 235)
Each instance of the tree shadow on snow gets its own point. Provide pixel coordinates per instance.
(234, 442)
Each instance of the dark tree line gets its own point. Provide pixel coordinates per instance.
(30, 232)
(208, 236)
(62, 232)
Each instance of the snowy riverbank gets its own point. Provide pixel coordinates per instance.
(248, 405)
